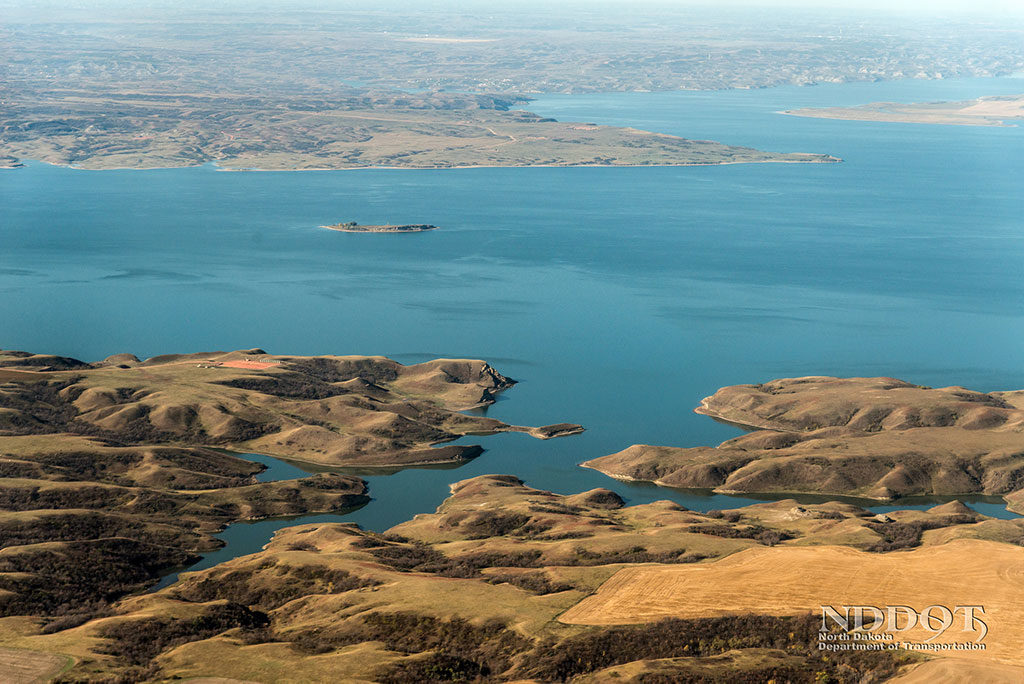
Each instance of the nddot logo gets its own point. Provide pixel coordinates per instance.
(885, 623)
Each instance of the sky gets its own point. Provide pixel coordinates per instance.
(925, 7)
(922, 6)
(1012, 10)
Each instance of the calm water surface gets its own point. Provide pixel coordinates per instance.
(618, 297)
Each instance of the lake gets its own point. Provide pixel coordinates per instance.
(617, 297)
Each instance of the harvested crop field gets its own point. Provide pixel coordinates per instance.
(795, 580)
(957, 671)
(18, 666)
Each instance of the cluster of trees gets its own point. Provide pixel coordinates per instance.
(87, 465)
(900, 535)
(76, 526)
(758, 533)
(560, 660)
(85, 496)
(635, 554)
(457, 650)
(491, 524)
(282, 584)
(37, 407)
(329, 370)
(433, 667)
(137, 642)
(533, 582)
(480, 650)
(288, 386)
(80, 575)
(418, 557)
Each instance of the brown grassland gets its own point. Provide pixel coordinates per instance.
(475, 591)
(332, 410)
(110, 478)
(18, 666)
(797, 580)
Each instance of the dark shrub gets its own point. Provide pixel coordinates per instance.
(137, 642)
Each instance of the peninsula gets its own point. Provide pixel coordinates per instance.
(1007, 110)
(877, 438)
(328, 410)
(353, 227)
(429, 131)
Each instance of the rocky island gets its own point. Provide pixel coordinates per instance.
(353, 227)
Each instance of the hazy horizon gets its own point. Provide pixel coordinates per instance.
(928, 8)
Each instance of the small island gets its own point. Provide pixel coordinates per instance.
(353, 227)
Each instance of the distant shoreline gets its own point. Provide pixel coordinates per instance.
(829, 159)
(991, 110)
(824, 113)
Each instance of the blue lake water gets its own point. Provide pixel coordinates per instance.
(618, 297)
